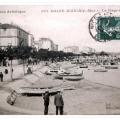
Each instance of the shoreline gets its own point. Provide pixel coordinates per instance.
(87, 93)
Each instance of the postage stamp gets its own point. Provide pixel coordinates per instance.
(105, 27)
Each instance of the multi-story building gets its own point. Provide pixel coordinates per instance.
(73, 49)
(55, 47)
(31, 40)
(13, 35)
(88, 50)
(36, 45)
(46, 43)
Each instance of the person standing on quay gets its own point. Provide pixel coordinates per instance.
(59, 103)
(1, 76)
(46, 102)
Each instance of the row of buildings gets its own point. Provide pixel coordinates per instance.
(75, 49)
(13, 35)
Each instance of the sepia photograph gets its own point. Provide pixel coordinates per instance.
(59, 59)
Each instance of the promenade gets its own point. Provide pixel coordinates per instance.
(91, 96)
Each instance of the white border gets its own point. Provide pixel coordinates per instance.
(67, 117)
(59, 2)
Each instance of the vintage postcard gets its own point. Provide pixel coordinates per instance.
(59, 60)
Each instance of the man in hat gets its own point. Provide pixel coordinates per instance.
(59, 103)
(46, 102)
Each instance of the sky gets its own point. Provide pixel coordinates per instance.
(63, 27)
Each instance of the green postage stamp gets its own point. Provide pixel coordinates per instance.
(106, 25)
(108, 28)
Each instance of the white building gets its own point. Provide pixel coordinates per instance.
(46, 43)
(12, 35)
(55, 47)
(73, 49)
(88, 50)
(31, 40)
(36, 45)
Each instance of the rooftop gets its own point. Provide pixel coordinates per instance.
(9, 26)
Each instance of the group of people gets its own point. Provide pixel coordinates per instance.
(58, 101)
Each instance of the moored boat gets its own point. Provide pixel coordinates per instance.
(71, 74)
(100, 70)
(73, 78)
(111, 67)
(83, 66)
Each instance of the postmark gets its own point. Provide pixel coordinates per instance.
(105, 27)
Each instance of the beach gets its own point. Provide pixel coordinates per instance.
(97, 94)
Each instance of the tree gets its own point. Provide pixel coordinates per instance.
(43, 54)
(23, 53)
(10, 54)
(2, 55)
(102, 53)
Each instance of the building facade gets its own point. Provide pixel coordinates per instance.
(46, 43)
(31, 40)
(88, 50)
(12, 35)
(36, 45)
(55, 47)
(72, 49)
